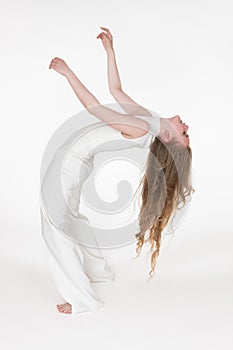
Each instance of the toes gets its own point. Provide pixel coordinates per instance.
(65, 308)
(67, 311)
(60, 307)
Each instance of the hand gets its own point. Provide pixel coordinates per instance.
(59, 66)
(106, 39)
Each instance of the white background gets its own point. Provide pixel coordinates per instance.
(174, 57)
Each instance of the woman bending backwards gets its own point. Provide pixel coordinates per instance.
(166, 182)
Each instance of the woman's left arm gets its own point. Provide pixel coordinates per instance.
(124, 123)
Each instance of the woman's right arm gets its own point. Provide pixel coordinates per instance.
(114, 83)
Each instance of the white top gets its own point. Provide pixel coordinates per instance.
(73, 163)
(77, 165)
(147, 139)
(101, 137)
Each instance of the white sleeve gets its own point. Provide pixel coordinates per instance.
(154, 130)
(154, 123)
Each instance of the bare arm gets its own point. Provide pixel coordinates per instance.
(114, 83)
(124, 123)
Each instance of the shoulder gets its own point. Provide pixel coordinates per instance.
(153, 123)
(145, 125)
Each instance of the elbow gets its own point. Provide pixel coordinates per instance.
(114, 91)
(95, 110)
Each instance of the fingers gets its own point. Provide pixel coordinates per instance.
(103, 34)
(56, 59)
(106, 29)
(52, 65)
(54, 62)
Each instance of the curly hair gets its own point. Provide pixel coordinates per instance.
(166, 183)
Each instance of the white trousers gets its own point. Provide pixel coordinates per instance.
(74, 267)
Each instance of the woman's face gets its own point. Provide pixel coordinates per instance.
(179, 129)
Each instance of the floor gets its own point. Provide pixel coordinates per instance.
(187, 305)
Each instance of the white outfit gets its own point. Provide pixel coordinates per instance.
(64, 228)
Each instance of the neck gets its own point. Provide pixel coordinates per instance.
(164, 126)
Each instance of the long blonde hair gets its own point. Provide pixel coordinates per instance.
(166, 183)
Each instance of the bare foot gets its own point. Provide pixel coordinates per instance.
(65, 308)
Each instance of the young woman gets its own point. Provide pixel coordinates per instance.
(165, 184)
